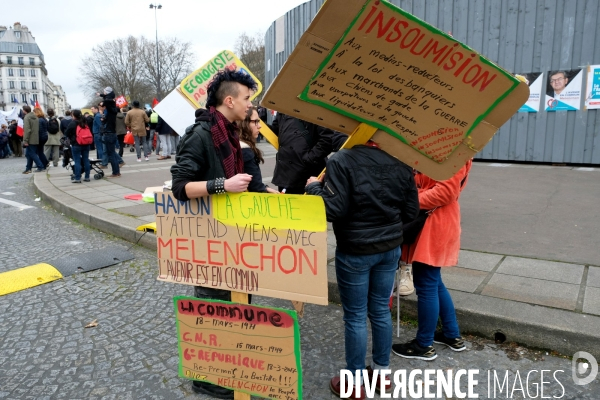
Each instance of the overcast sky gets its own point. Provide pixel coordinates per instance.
(66, 31)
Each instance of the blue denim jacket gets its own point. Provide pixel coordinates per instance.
(97, 126)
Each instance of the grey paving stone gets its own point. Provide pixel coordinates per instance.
(148, 218)
(534, 291)
(591, 304)
(478, 261)
(116, 204)
(102, 199)
(540, 269)
(463, 279)
(593, 278)
(139, 210)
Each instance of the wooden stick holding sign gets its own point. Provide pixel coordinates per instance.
(242, 298)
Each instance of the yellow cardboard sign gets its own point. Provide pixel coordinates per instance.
(194, 85)
(267, 244)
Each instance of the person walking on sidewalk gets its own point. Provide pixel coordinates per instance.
(97, 132)
(163, 130)
(121, 132)
(43, 136)
(437, 246)
(31, 140)
(52, 146)
(15, 139)
(210, 161)
(368, 195)
(81, 152)
(136, 121)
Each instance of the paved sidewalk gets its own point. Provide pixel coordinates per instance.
(534, 301)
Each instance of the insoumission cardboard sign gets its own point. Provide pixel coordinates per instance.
(265, 244)
(246, 348)
(435, 101)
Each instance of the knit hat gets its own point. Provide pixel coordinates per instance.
(107, 90)
(136, 104)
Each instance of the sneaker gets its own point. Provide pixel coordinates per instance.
(413, 350)
(388, 387)
(76, 181)
(405, 286)
(139, 160)
(86, 180)
(215, 391)
(114, 176)
(147, 159)
(121, 163)
(102, 166)
(40, 170)
(335, 387)
(27, 171)
(162, 158)
(168, 156)
(456, 344)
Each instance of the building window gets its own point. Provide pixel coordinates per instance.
(11, 84)
(21, 61)
(19, 49)
(24, 98)
(13, 98)
(35, 97)
(34, 85)
(31, 61)
(18, 34)
(23, 87)
(10, 72)
(8, 59)
(32, 73)
(21, 72)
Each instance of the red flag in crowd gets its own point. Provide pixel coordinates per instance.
(121, 101)
(20, 127)
(37, 105)
(154, 102)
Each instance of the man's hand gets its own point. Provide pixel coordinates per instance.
(238, 183)
(25, 144)
(315, 179)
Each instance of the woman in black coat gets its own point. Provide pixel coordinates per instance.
(43, 136)
(249, 131)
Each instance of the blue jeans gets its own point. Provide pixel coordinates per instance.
(81, 155)
(433, 301)
(365, 283)
(32, 156)
(4, 150)
(99, 148)
(110, 140)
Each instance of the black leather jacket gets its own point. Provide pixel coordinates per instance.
(368, 194)
(303, 150)
(196, 158)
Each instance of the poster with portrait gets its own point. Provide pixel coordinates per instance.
(592, 94)
(534, 80)
(563, 90)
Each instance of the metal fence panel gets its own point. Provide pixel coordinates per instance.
(520, 35)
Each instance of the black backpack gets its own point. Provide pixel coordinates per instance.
(53, 126)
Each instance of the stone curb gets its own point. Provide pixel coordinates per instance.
(535, 326)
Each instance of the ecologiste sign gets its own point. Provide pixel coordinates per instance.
(194, 85)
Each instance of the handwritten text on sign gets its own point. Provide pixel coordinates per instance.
(194, 85)
(246, 348)
(267, 244)
(396, 72)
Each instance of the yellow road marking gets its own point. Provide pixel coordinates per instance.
(27, 277)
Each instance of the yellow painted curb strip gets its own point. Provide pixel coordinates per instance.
(27, 277)
(151, 227)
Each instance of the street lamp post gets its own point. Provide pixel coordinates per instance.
(157, 7)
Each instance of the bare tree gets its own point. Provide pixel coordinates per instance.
(251, 51)
(128, 65)
(175, 58)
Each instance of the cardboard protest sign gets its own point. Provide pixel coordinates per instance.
(265, 244)
(435, 101)
(246, 348)
(563, 90)
(194, 85)
(177, 110)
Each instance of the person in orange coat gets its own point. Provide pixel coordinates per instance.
(437, 246)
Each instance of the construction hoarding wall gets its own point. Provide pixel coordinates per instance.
(529, 36)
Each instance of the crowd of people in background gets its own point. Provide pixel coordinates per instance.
(45, 138)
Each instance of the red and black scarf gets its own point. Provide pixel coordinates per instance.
(227, 143)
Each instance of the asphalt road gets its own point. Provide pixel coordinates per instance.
(47, 353)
